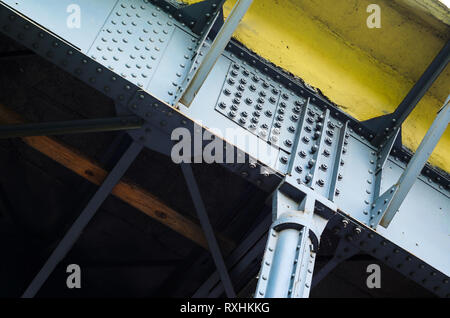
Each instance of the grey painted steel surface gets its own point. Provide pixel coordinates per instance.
(217, 47)
(293, 240)
(285, 255)
(415, 166)
(353, 176)
(83, 219)
(424, 213)
(384, 151)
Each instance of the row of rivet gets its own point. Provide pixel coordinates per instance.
(266, 263)
(352, 232)
(71, 60)
(133, 45)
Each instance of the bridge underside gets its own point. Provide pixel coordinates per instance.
(137, 60)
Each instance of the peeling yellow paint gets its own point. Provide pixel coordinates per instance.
(366, 71)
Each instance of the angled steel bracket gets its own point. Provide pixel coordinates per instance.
(202, 47)
(388, 204)
(201, 13)
(217, 47)
(385, 150)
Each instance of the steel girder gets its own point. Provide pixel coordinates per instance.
(143, 55)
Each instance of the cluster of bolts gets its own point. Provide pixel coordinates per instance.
(317, 129)
(254, 103)
(133, 42)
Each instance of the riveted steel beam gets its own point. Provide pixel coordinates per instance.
(217, 47)
(244, 93)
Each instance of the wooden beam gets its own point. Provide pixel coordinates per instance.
(124, 190)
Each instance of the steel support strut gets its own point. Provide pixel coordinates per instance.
(71, 127)
(288, 262)
(217, 47)
(414, 96)
(207, 229)
(83, 219)
(415, 166)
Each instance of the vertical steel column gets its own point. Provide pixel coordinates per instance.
(285, 255)
(217, 47)
(288, 262)
(83, 219)
(415, 166)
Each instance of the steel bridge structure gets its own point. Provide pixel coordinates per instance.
(168, 66)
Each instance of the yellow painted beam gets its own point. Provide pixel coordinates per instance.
(367, 72)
